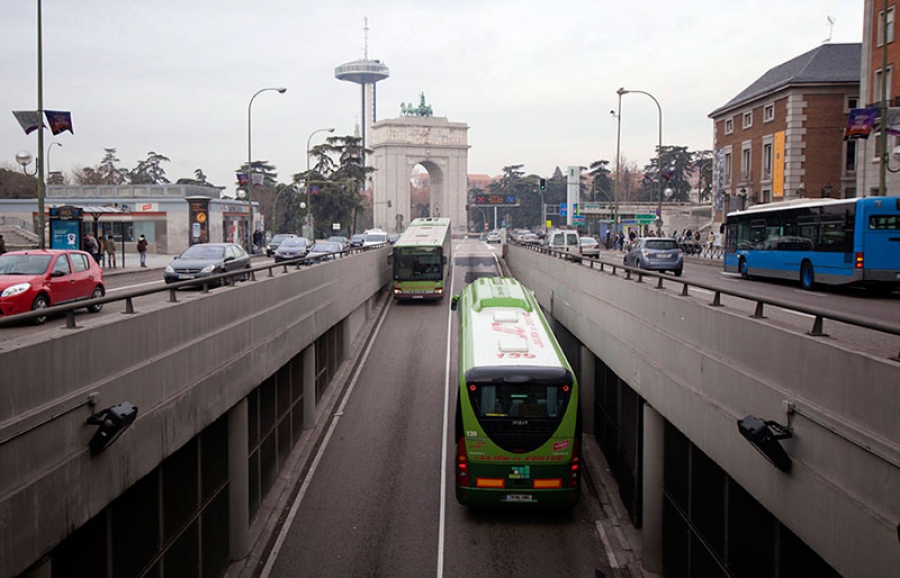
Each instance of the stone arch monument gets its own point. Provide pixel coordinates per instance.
(441, 147)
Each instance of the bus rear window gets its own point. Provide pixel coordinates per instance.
(519, 400)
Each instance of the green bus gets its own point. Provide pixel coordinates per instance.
(421, 259)
(518, 421)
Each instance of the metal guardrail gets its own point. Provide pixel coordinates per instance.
(204, 283)
(819, 315)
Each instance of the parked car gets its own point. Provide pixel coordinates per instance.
(207, 259)
(494, 237)
(37, 279)
(357, 240)
(323, 251)
(590, 247)
(275, 242)
(656, 254)
(344, 241)
(292, 248)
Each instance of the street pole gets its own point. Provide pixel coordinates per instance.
(40, 146)
(249, 233)
(622, 91)
(615, 221)
(309, 218)
(882, 138)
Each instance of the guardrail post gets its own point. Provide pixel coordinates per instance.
(717, 300)
(684, 290)
(817, 330)
(129, 306)
(172, 297)
(659, 282)
(758, 314)
(70, 319)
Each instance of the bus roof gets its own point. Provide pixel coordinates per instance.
(428, 231)
(791, 204)
(505, 326)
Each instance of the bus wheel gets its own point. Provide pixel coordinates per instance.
(744, 269)
(807, 275)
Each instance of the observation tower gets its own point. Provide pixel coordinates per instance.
(366, 73)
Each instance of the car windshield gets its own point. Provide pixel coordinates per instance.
(294, 242)
(326, 247)
(204, 252)
(24, 264)
(279, 238)
(662, 244)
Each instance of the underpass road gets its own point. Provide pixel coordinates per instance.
(373, 505)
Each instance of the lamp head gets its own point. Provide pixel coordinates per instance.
(332, 130)
(282, 90)
(622, 91)
(24, 158)
(895, 154)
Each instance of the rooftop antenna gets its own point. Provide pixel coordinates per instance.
(830, 29)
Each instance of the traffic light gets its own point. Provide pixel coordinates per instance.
(543, 184)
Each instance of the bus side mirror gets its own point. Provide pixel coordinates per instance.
(454, 303)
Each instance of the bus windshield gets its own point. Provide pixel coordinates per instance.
(417, 263)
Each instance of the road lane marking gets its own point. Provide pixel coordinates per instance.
(442, 519)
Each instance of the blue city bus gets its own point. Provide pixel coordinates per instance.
(818, 241)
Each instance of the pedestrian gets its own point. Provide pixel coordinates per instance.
(710, 239)
(110, 248)
(92, 247)
(142, 250)
(2, 245)
(257, 240)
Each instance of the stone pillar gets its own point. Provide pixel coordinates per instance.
(238, 481)
(309, 386)
(652, 522)
(586, 382)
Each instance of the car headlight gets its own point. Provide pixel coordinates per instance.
(15, 289)
(170, 269)
(208, 268)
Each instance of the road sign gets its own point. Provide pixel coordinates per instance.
(645, 219)
(578, 219)
(563, 212)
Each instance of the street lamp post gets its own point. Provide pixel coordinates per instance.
(309, 217)
(50, 146)
(620, 92)
(250, 165)
(615, 221)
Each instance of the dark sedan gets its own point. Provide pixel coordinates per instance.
(656, 254)
(292, 248)
(206, 259)
(323, 251)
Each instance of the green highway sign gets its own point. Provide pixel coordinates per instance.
(645, 219)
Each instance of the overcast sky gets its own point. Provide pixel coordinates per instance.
(535, 81)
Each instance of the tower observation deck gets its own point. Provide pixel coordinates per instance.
(366, 73)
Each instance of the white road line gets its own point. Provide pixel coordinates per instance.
(273, 555)
(442, 520)
(606, 545)
(135, 286)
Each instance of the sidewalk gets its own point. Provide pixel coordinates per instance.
(130, 262)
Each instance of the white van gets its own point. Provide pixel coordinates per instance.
(565, 241)
(375, 237)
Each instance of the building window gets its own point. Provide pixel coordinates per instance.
(729, 126)
(877, 92)
(748, 119)
(850, 156)
(727, 167)
(767, 162)
(890, 26)
(852, 102)
(745, 164)
(769, 113)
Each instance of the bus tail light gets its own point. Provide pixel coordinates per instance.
(858, 262)
(494, 483)
(549, 484)
(462, 464)
(575, 465)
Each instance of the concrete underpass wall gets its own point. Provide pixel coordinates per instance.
(182, 364)
(703, 367)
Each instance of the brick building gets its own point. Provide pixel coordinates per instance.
(781, 138)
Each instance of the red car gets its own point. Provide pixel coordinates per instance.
(39, 279)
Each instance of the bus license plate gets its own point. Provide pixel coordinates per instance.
(518, 498)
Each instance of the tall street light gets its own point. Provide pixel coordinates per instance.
(620, 92)
(250, 165)
(309, 217)
(50, 146)
(615, 221)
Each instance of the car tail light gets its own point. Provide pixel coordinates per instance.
(859, 260)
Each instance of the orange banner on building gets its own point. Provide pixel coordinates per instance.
(778, 165)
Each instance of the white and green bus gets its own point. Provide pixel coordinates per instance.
(421, 259)
(518, 421)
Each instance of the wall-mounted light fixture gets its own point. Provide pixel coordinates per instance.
(765, 436)
(113, 421)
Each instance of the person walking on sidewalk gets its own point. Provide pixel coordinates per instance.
(2, 245)
(110, 248)
(142, 250)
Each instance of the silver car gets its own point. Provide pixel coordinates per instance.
(292, 248)
(656, 254)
